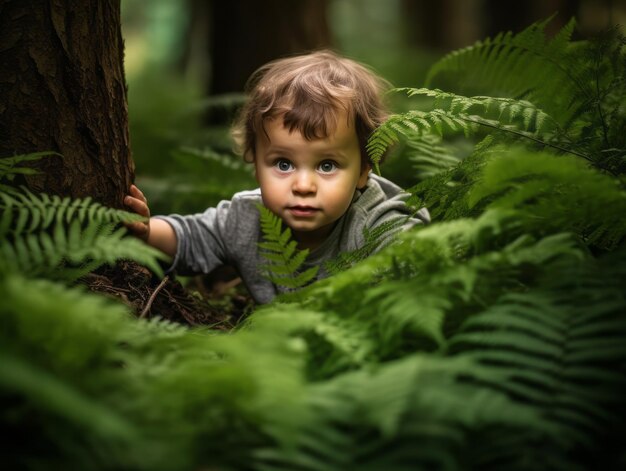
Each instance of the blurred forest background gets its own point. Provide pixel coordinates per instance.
(187, 61)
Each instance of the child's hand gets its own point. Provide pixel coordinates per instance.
(138, 203)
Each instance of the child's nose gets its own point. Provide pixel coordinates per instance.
(304, 183)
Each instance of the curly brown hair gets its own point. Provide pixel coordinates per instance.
(309, 91)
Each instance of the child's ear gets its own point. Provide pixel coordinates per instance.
(365, 171)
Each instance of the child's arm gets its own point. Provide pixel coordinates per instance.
(155, 232)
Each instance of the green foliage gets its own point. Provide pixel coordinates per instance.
(455, 113)
(429, 155)
(580, 85)
(26, 212)
(284, 259)
(527, 344)
(543, 188)
(62, 238)
(374, 239)
(516, 65)
(9, 168)
(491, 339)
(103, 390)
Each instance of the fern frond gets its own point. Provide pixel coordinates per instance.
(333, 344)
(428, 300)
(454, 113)
(410, 123)
(71, 252)
(44, 389)
(545, 187)
(428, 156)
(66, 238)
(26, 212)
(542, 365)
(504, 110)
(581, 85)
(278, 248)
(602, 118)
(553, 365)
(445, 193)
(113, 362)
(373, 241)
(522, 65)
(9, 166)
(371, 419)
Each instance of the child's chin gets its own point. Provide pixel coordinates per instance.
(303, 227)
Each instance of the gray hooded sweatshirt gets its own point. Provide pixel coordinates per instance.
(228, 234)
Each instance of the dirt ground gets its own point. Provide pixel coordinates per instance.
(218, 300)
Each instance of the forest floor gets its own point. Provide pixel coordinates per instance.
(219, 302)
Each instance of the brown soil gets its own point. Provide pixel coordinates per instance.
(221, 305)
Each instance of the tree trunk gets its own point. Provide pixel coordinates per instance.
(246, 34)
(452, 24)
(62, 88)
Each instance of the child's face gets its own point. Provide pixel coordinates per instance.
(309, 184)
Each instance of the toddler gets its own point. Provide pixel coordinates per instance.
(304, 128)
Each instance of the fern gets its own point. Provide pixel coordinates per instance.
(445, 194)
(543, 187)
(87, 373)
(428, 156)
(454, 113)
(529, 379)
(602, 115)
(527, 115)
(202, 177)
(581, 85)
(284, 260)
(61, 238)
(333, 344)
(10, 168)
(516, 66)
(219, 159)
(373, 240)
(25, 212)
(9, 165)
(545, 348)
(408, 291)
(371, 419)
(71, 252)
(65, 238)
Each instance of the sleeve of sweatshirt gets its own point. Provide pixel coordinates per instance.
(202, 239)
(386, 203)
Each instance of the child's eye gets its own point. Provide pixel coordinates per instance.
(283, 165)
(328, 166)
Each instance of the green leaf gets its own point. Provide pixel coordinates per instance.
(282, 253)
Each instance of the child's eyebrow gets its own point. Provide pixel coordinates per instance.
(334, 153)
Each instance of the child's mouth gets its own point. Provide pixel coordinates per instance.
(302, 211)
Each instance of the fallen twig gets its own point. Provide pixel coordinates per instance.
(153, 296)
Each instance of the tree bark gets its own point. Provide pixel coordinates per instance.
(62, 88)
